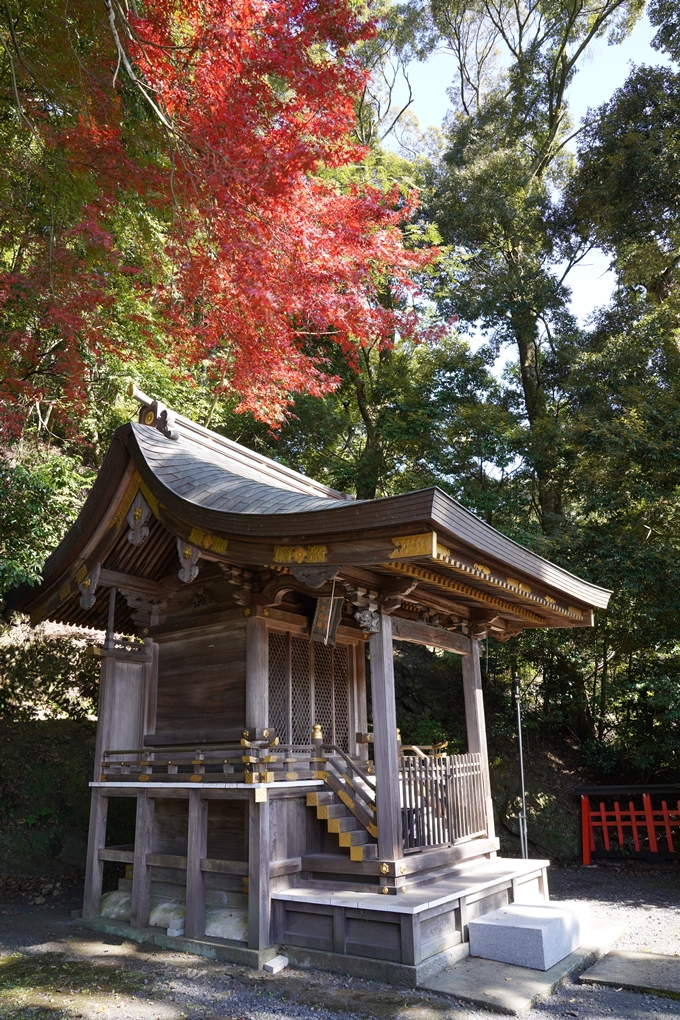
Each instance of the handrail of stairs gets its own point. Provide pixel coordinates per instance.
(366, 774)
(351, 783)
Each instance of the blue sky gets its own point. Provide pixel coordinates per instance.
(604, 70)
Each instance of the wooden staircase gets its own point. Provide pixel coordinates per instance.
(338, 810)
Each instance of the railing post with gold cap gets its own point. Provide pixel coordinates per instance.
(318, 760)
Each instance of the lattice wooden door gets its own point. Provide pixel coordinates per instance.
(308, 683)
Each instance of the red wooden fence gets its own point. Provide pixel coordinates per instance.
(624, 829)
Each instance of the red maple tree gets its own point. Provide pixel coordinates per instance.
(185, 161)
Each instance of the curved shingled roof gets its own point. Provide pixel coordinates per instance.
(196, 479)
(208, 471)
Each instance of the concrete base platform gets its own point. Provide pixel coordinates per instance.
(223, 950)
(643, 972)
(505, 988)
(369, 969)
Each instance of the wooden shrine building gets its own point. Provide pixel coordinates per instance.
(238, 598)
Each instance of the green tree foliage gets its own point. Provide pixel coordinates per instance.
(406, 418)
(494, 196)
(44, 806)
(46, 674)
(574, 452)
(665, 16)
(626, 194)
(41, 492)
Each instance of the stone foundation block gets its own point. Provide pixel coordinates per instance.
(534, 935)
(279, 963)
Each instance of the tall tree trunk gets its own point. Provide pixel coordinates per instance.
(542, 454)
(371, 462)
(603, 689)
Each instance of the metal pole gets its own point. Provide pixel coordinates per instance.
(523, 816)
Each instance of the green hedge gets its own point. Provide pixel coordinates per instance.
(45, 768)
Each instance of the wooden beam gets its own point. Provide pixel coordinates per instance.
(141, 875)
(165, 860)
(414, 862)
(139, 585)
(94, 865)
(220, 867)
(385, 742)
(425, 634)
(289, 866)
(197, 849)
(476, 725)
(118, 856)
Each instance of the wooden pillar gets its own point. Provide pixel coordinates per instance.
(151, 687)
(197, 849)
(258, 872)
(476, 725)
(358, 654)
(141, 874)
(94, 868)
(390, 846)
(257, 673)
(107, 677)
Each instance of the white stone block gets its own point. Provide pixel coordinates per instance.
(226, 923)
(276, 965)
(535, 935)
(176, 930)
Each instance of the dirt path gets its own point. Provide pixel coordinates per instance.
(51, 970)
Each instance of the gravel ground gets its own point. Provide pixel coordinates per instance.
(51, 970)
(644, 900)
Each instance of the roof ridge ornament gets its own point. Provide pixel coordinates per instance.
(154, 413)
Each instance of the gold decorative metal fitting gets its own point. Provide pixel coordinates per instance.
(402, 869)
(188, 552)
(316, 732)
(384, 869)
(385, 890)
(149, 418)
(403, 888)
(246, 612)
(265, 733)
(137, 513)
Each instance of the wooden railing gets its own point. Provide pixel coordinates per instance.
(247, 760)
(442, 799)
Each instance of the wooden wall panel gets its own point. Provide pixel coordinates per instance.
(227, 829)
(378, 939)
(288, 827)
(201, 681)
(170, 827)
(125, 706)
(310, 927)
